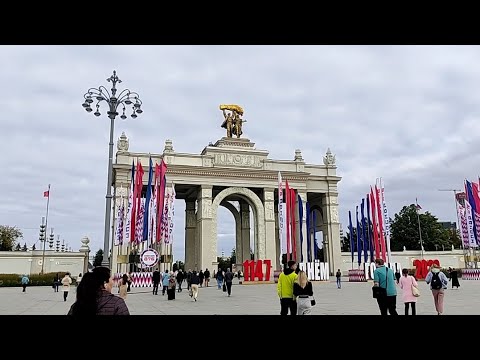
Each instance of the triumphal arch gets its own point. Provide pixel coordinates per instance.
(235, 174)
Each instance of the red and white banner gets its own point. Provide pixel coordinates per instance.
(463, 225)
(281, 218)
(139, 224)
(128, 222)
(472, 242)
(171, 216)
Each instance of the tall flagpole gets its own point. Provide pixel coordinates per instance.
(46, 224)
(419, 228)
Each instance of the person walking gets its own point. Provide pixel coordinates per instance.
(56, 282)
(303, 290)
(94, 296)
(229, 280)
(179, 278)
(201, 276)
(438, 283)
(165, 281)
(66, 282)
(172, 285)
(219, 279)
(156, 281)
(397, 275)
(338, 275)
(122, 288)
(195, 281)
(207, 277)
(454, 278)
(25, 281)
(285, 289)
(409, 299)
(384, 278)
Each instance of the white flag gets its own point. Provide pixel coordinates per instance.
(281, 219)
(386, 222)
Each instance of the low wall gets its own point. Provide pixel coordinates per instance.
(405, 259)
(30, 262)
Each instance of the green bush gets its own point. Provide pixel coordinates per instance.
(11, 280)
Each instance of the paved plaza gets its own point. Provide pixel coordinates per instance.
(352, 299)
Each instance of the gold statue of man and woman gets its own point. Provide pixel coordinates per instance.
(233, 120)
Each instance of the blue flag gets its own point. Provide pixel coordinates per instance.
(359, 244)
(147, 202)
(315, 245)
(350, 228)
(364, 232)
(370, 232)
(309, 233)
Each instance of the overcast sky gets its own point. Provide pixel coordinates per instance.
(408, 114)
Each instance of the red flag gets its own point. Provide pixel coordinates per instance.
(294, 225)
(380, 223)
(376, 239)
(288, 204)
(46, 193)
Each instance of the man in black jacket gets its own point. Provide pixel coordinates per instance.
(229, 280)
(156, 281)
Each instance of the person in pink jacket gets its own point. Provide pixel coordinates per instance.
(406, 282)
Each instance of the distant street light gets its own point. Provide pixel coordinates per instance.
(125, 98)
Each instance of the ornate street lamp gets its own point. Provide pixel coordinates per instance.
(126, 99)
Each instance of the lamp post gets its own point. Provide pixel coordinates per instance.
(125, 98)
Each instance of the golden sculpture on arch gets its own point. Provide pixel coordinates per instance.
(233, 120)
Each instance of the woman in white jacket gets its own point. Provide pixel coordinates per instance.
(66, 282)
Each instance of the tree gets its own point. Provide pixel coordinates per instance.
(8, 237)
(404, 231)
(98, 258)
(345, 242)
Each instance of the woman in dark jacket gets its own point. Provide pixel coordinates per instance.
(94, 295)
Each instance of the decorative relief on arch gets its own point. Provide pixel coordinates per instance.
(259, 218)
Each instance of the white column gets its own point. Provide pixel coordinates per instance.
(206, 246)
(271, 234)
(332, 230)
(190, 232)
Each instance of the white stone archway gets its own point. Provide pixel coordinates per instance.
(259, 216)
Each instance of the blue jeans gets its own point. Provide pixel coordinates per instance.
(339, 283)
(219, 283)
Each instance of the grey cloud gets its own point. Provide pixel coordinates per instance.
(405, 113)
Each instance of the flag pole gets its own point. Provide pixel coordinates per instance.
(46, 224)
(419, 228)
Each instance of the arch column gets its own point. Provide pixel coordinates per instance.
(245, 231)
(190, 232)
(331, 234)
(206, 246)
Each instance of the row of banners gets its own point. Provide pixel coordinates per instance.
(373, 230)
(468, 212)
(149, 218)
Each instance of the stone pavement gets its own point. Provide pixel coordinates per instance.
(353, 298)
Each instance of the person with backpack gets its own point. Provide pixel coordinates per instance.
(438, 283)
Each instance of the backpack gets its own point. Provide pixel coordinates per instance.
(436, 283)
